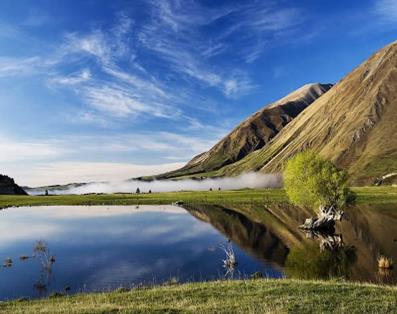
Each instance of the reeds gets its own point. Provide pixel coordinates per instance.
(385, 262)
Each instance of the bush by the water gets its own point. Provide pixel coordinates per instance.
(311, 181)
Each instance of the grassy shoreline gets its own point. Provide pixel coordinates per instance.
(241, 296)
(368, 195)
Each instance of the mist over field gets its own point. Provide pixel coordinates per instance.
(248, 180)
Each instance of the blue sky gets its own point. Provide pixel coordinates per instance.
(108, 90)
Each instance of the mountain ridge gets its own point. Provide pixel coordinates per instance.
(353, 124)
(252, 133)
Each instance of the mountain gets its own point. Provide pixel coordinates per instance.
(354, 124)
(253, 133)
(8, 186)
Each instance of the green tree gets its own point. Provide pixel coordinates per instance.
(311, 181)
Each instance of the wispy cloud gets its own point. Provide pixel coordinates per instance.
(87, 146)
(20, 66)
(18, 150)
(121, 101)
(174, 34)
(40, 174)
(387, 10)
(41, 161)
(261, 24)
(119, 83)
(120, 92)
(73, 79)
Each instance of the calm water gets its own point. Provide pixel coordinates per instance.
(100, 248)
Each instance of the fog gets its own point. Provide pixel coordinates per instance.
(248, 180)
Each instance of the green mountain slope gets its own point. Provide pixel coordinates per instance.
(253, 133)
(354, 125)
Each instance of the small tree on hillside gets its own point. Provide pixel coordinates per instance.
(311, 181)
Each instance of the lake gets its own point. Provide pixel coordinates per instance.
(99, 248)
(73, 249)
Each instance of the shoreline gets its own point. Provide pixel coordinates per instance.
(367, 195)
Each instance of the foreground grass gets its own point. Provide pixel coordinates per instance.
(250, 296)
(367, 195)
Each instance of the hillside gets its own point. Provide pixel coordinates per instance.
(353, 124)
(8, 186)
(253, 133)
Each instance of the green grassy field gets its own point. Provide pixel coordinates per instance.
(249, 296)
(368, 195)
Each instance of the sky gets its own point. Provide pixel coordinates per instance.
(95, 90)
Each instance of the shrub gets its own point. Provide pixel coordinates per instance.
(311, 181)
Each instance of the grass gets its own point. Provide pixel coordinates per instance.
(367, 195)
(214, 197)
(249, 296)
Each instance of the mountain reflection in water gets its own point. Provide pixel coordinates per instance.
(90, 248)
(270, 234)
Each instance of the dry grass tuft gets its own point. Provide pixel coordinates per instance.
(385, 262)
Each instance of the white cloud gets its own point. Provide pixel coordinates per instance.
(122, 101)
(87, 117)
(73, 79)
(18, 151)
(265, 19)
(172, 34)
(39, 174)
(38, 162)
(120, 93)
(19, 66)
(93, 44)
(387, 10)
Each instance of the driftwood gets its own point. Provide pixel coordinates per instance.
(328, 241)
(325, 220)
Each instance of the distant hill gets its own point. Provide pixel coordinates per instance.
(8, 186)
(354, 124)
(53, 189)
(253, 133)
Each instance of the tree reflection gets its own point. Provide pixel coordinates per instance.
(329, 258)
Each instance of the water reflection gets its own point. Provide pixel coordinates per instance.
(42, 253)
(255, 238)
(230, 261)
(101, 248)
(326, 257)
(271, 234)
